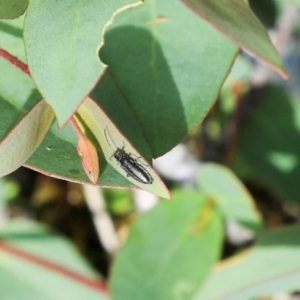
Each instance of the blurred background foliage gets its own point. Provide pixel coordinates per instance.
(217, 212)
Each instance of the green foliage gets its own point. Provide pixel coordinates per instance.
(165, 70)
(154, 68)
(25, 137)
(38, 264)
(165, 92)
(270, 266)
(171, 250)
(175, 245)
(272, 156)
(10, 9)
(62, 58)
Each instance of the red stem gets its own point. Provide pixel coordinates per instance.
(91, 283)
(15, 61)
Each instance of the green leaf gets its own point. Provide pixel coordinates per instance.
(10, 9)
(169, 69)
(268, 144)
(169, 251)
(33, 261)
(222, 186)
(25, 137)
(237, 21)
(271, 266)
(61, 40)
(57, 155)
(161, 98)
(111, 141)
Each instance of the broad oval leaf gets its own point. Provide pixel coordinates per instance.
(169, 251)
(61, 40)
(169, 69)
(236, 20)
(19, 144)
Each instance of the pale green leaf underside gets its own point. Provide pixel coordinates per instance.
(25, 137)
(61, 41)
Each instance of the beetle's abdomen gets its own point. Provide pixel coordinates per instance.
(132, 167)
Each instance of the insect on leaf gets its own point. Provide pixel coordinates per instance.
(113, 142)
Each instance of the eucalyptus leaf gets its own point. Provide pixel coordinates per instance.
(169, 70)
(270, 267)
(169, 251)
(61, 40)
(154, 105)
(237, 21)
(52, 261)
(25, 137)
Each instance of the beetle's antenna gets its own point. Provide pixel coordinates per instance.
(105, 129)
(109, 137)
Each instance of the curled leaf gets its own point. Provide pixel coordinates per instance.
(89, 158)
(25, 137)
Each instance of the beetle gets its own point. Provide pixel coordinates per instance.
(130, 165)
